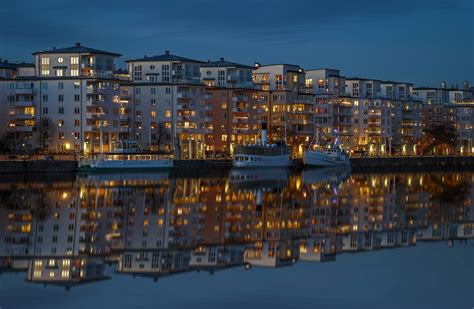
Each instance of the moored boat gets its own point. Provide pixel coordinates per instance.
(125, 157)
(262, 154)
(325, 157)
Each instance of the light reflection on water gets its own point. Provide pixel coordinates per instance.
(64, 232)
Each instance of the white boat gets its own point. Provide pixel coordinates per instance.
(325, 157)
(263, 154)
(124, 157)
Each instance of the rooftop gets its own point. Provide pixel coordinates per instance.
(76, 49)
(226, 64)
(167, 56)
(4, 64)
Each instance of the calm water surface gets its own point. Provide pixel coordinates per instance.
(252, 239)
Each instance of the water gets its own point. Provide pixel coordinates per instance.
(253, 239)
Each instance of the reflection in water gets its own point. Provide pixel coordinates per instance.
(153, 225)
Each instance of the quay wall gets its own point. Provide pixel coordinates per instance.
(392, 164)
(190, 167)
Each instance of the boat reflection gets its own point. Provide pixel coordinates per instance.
(66, 232)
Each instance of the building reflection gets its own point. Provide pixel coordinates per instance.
(152, 225)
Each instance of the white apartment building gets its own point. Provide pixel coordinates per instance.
(167, 104)
(326, 85)
(429, 95)
(396, 90)
(226, 74)
(363, 88)
(69, 101)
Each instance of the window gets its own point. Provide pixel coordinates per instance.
(76, 85)
(44, 85)
(45, 110)
(77, 122)
(45, 98)
(153, 90)
(45, 60)
(60, 85)
(168, 90)
(77, 110)
(60, 97)
(165, 68)
(60, 123)
(153, 113)
(138, 72)
(221, 78)
(167, 114)
(74, 72)
(59, 72)
(61, 110)
(74, 60)
(76, 98)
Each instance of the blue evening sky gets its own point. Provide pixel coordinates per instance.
(422, 41)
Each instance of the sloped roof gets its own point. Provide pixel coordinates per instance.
(225, 64)
(165, 57)
(76, 49)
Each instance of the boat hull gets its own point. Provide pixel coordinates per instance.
(248, 160)
(323, 159)
(109, 165)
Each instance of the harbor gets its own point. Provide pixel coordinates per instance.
(372, 164)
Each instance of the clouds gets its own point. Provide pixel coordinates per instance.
(338, 33)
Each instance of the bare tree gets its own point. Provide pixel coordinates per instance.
(45, 131)
(160, 134)
(12, 143)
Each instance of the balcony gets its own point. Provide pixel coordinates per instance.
(96, 90)
(23, 116)
(182, 95)
(239, 98)
(94, 102)
(24, 104)
(208, 119)
(25, 91)
(24, 129)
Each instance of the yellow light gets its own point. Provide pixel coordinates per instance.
(68, 146)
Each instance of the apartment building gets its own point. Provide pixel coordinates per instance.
(68, 101)
(465, 127)
(168, 105)
(288, 108)
(232, 111)
(391, 123)
(326, 85)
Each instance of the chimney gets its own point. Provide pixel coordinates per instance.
(54, 47)
(78, 44)
(264, 133)
(167, 52)
(222, 58)
(465, 85)
(443, 85)
(144, 56)
(1, 60)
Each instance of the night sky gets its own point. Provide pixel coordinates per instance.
(422, 41)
